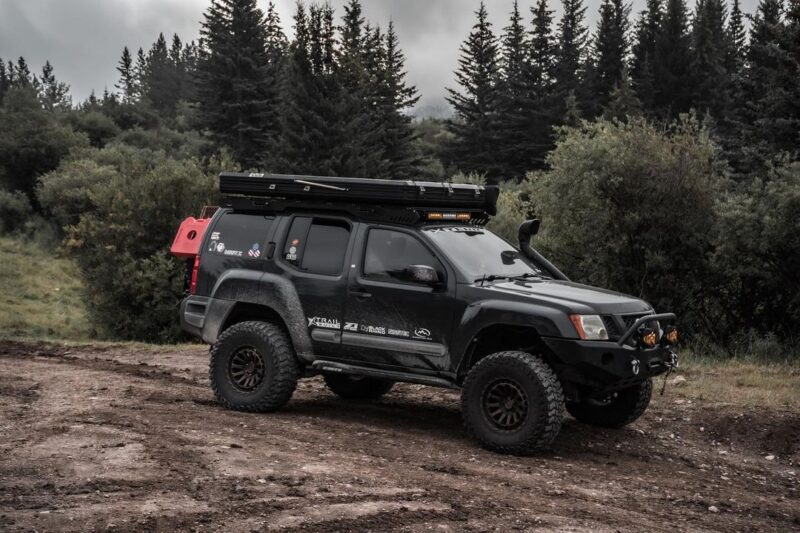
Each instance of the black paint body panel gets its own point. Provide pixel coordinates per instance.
(425, 330)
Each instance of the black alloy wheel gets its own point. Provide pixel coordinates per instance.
(505, 404)
(246, 369)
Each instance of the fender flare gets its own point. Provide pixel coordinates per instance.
(545, 321)
(264, 289)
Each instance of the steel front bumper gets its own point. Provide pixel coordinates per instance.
(607, 365)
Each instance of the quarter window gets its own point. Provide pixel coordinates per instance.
(316, 245)
(390, 253)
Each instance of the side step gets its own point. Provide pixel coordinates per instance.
(406, 377)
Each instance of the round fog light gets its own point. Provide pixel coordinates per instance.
(648, 337)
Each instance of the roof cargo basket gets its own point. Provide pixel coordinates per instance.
(267, 190)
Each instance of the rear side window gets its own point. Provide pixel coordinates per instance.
(238, 235)
(317, 245)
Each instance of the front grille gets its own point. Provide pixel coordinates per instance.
(631, 319)
(611, 327)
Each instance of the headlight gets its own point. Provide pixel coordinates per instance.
(589, 327)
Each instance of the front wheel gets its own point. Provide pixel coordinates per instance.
(617, 409)
(512, 402)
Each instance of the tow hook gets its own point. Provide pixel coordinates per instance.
(635, 366)
(672, 365)
(673, 359)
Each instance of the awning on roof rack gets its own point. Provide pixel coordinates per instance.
(414, 194)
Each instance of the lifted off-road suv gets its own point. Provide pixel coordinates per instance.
(371, 282)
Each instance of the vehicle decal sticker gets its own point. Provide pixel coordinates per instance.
(220, 247)
(399, 333)
(323, 322)
(422, 333)
(215, 236)
(457, 229)
(234, 253)
(254, 251)
(351, 326)
(376, 330)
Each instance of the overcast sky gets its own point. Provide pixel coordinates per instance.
(83, 39)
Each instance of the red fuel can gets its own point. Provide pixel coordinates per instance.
(189, 237)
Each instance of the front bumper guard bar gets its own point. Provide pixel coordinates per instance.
(643, 320)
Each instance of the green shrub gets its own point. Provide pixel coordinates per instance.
(15, 210)
(122, 242)
(64, 193)
(758, 256)
(97, 126)
(32, 141)
(632, 207)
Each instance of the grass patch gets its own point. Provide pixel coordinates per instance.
(740, 382)
(42, 294)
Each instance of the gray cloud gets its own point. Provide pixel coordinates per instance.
(84, 38)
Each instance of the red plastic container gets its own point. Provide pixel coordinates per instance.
(190, 235)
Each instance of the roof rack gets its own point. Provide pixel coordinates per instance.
(400, 201)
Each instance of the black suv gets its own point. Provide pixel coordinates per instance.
(371, 282)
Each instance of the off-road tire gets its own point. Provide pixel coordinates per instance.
(536, 383)
(626, 407)
(357, 387)
(281, 369)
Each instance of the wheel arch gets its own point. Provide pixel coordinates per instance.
(500, 337)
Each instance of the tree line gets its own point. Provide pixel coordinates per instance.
(660, 153)
(330, 101)
(516, 87)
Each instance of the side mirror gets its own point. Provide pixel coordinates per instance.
(424, 274)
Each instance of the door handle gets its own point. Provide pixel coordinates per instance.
(361, 295)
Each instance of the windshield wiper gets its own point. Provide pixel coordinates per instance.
(528, 275)
(490, 277)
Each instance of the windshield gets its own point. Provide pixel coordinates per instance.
(479, 252)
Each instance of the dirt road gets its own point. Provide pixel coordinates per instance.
(130, 439)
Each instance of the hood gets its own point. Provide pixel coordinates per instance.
(574, 297)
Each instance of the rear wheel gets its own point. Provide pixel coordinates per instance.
(512, 402)
(617, 409)
(357, 387)
(253, 367)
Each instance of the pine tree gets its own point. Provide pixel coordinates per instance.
(610, 49)
(673, 75)
(233, 91)
(361, 149)
(22, 74)
(5, 82)
(475, 130)
(643, 68)
(160, 81)
(127, 78)
(327, 130)
(711, 80)
(513, 90)
(572, 50)
(140, 73)
(737, 40)
(53, 94)
(542, 109)
(770, 120)
(623, 102)
(398, 136)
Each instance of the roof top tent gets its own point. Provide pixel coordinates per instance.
(399, 201)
